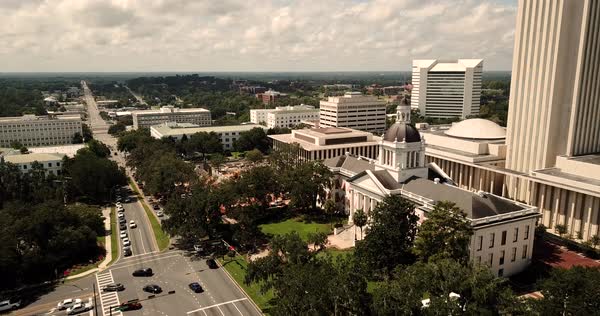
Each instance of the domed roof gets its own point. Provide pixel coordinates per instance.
(476, 128)
(402, 131)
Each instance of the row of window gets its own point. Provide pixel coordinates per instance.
(503, 238)
(49, 165)
(513, 256)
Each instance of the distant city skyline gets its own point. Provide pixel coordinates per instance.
(235, 35)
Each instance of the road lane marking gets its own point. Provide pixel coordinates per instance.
(142, 240)
(220, 310)
(142, 254)
(217, 305)
(239, 311)
(107, 299)
(138, 263)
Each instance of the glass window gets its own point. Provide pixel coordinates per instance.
(490, 259)
(480, 243)
(501, 261)
(524, 255)
(503, 241)
(513, 256)
(526, 232)
(492, 235)
(516, 237)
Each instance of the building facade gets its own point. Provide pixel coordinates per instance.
(446, 89)
(353, 110)
(147, 118)
(228, 134)
(51, 162)
(284, 116)
(271, 96)
(31, 130)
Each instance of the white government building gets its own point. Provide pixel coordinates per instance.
(147, 118)
(503, 229)
(284, 116)
(32, 130)
(51, 162)
(353, 110)
(228, 134)
(445, 89)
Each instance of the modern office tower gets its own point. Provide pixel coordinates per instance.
(147, 118)
(445, 89)
(353, 110)
(554, 104)
(31, 130)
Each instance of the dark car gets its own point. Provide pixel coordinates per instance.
(142, 272)
(211, 263)
(196, 287)
(122, 220)
(123, 227)
(127, 252)
(113, 287)
(152, 288)
(130, 306)
(156, 207)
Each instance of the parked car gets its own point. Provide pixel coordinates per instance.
(152, 288)
(211, 263)
(122, 220)
(9, 305)
(127, 252)
(64, 304)
(126, 242)
(132, 224)
(121, 215)
(122, 227)
(156, 207)
(123, 234)
(196, 287)
(126, 200)
(130, 306)
(160, 214)
(79, 308)
(113, 287)
(142, 272)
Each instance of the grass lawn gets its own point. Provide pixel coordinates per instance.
(237, 268)
(162, 239)
(337, 252)
(290, 225)
(114, 239)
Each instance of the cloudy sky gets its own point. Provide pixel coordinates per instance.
(248, 35)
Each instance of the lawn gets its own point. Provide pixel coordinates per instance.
(290, 225)
(237, 269)
(162, 239)
(114, 239)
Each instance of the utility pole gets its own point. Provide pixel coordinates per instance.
(95, 305)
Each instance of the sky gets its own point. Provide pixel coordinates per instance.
(247, 35)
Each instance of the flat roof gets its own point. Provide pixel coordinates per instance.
(177, 110)
(33, 118)
(29, 158)
(288, 139)
(69, 150)
(165, 130)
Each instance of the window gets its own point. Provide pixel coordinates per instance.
(492, 235)
(513, 256)
(501, 272)
(480, 244)
(526, 232)
(524, 252)
(516, 237)
(501, 261)
(490, 259)
(503, 241)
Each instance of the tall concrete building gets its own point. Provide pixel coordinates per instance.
(353, 110)
(147, 118)
(445, 89)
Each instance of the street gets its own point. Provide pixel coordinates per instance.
(173, 269)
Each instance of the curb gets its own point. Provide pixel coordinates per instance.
(240, 288)
(82, 274)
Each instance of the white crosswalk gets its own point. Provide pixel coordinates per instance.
(107, 299)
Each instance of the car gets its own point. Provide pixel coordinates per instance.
(126, 242)
(160, 214)
(123, 227)
(79, 308)
(118, 204)
(127, 252)
(126, 199)
(198, 248)
(122, 220)
(132, 224)
(211, 263)
(64, 304)
(142, 272)
(121, 215)
(130, 306)
(156, 207)
(152, 288)
(113, 287)
(9, 305)
(196, 287)
(123, 234)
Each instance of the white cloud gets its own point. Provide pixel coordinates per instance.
(270, 35)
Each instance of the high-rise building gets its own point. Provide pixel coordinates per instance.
(31, 130)
(353, 110)
(147, 118)
(445, 89)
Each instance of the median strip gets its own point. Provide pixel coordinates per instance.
(162, 238)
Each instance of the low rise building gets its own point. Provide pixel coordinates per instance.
(31, 130)
(271, 96)
(325, 143)
(228, 134)
(353, 110)
(147, 118)
(284, 116)
(52, 163)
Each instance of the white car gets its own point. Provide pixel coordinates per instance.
(118, 204)
(9, 305)
(160, 214)
(67, 303)
(123, 234)
(126, 242)
(79, 308)
(121, 215)
(132, 224)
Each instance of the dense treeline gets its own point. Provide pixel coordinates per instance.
(45, 228)
(20, 96)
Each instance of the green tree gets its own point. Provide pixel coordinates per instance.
(164, 173)
(445, 234)
(330, 208)
(204, 143)
(217, 160)
(391, 235)
(595, 240)
(255, 138)
(257, 185)
(318, 239)
(117, 128)
(254, 156)
(129, 140)
(307, 183)
(23, 150)
(98, 148)
(86, 134)
(570, 292)
(360, 219)
(561, 229)
(77, 138)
